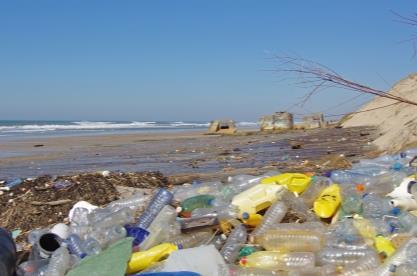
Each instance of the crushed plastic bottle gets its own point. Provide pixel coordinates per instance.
(235, 241)
(135, 202)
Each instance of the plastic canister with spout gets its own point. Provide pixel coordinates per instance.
(257, 198)
(295, 182)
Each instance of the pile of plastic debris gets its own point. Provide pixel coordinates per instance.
(32, 203)
(359, 221)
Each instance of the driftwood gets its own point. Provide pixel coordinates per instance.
(51, 203)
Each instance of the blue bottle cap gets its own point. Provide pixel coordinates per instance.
(328, 174)
(245, 215)
(403, 154)
(395, 211)
(397, 166)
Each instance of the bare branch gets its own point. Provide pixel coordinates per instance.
(321, 77)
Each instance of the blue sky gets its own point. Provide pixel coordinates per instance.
(190, 60)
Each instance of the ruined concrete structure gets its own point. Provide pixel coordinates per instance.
(222, 127)
(315, 120)
(277, 121)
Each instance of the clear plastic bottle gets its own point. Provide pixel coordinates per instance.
(159, 201)
(297, 205)
(135, 202)
(192, 240)
(108, 236)
(406, 270)
(60, 262)
(219, 241)
(80, 231)
(341, 256)
(315, 226)
(275, 214)
(363, 266)
(234, 270)
(91, 247)
(348, 177)
(344, 235)
(239, 183)
(327, 270)
(75, 246)
(375, 206)
(408, 222)
(80, 217)
(163, 228)
(180, 193)
(278, 260)
(121, 217)
(223, 211)
(294, 240)
(235, 241)
(318, 184)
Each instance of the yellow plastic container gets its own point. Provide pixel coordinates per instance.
(257, 198)
(295, 182)
(252, 219)
(328, 202)
(384, 245)
(141, 260)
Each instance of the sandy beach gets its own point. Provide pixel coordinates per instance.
(187, 152)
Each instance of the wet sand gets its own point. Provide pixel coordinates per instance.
(181, 153)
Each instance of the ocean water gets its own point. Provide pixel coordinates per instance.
(14, 129)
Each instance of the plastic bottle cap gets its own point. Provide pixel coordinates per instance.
(328, 174)
(397, 166)
(180, 246)
(178, 210)
(395, 211)
(243, 261)
(360, 187)
(245, 216)
(223, 236)
(403, 154)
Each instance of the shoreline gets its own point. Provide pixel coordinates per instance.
(179, 153)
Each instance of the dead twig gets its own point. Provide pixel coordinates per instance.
(51, 203)
(321, 77)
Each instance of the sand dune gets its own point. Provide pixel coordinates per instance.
(397, 124)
